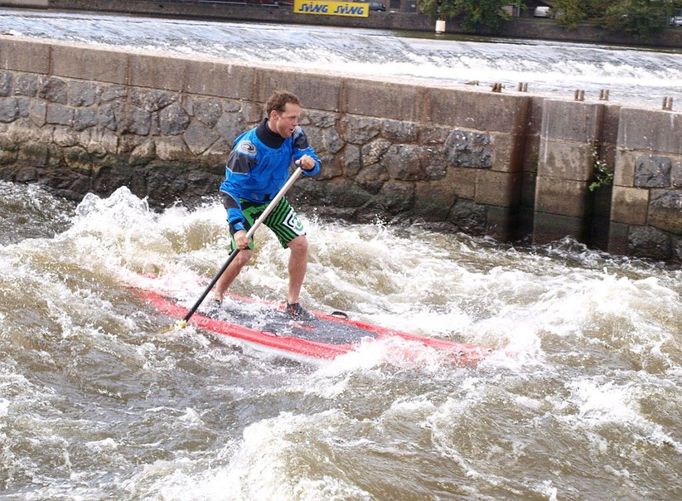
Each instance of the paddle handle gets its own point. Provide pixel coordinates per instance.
(271, 206)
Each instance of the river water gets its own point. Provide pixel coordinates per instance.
(638, 77)
(98, 400)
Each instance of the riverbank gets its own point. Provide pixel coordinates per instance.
(520, 28)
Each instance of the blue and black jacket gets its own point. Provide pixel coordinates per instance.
(258, 167)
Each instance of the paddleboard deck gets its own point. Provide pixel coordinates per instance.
(324, 336)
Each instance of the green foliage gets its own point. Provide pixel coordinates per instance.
(641, 18)
(571, 12)
(485, 16)
(602, 175)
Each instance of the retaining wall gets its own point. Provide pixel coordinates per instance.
(507, 164)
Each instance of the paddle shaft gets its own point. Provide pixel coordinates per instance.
(271, 206)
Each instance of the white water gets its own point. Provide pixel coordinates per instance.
(633, 76)
(96, 401)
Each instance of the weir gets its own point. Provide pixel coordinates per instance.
(507, 164)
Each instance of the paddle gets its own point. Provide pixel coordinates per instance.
(181, 324)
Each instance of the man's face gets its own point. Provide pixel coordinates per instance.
(284, 122)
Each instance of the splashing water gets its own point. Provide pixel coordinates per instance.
(96, 401)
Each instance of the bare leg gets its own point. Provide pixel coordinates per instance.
(298, 262)
(231, 273)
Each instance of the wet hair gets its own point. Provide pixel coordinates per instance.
(278, 101)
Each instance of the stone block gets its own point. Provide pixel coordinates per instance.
(404, 162)
(6, 78)
(28, 84)
(9, 109)
(24, 55)
(477, 110)
(566, 159)
(54, 90)
(624, 173)
(646, 241)
(360, 130)
(199, 138)
(646, 129)
(565, 197)
(469, 149)
(463, 182)
(575, 121)
(469, 216)
(665, 210)
(400, 131)
(75, 61)
(652, 171)
(82, 93)
(507, 152)
(676, 174)
(629, 205)
(59, 115)
(387, 100)
(502, 189)
(158, 72)
(433, 200)
(552, 227)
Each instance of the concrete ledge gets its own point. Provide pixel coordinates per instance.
(572, 121)
(479, 110)
(89, 64)
(158, 72)
(642, 129)
(24, 55)
(371, 98)
(320, 92)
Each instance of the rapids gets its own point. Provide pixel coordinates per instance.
(99, 401)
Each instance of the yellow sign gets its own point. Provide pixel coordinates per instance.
(325, 8)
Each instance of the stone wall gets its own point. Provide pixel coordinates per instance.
(506, 164)
(646, 216)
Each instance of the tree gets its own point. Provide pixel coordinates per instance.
(641, 18)
(485, 16)
(569, 13)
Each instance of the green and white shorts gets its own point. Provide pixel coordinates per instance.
(283, 221)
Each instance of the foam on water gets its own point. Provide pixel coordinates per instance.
(587, 386)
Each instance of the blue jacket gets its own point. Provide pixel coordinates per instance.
(258, 167)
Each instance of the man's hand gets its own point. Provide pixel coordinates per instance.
(306, 162)
(241, 240)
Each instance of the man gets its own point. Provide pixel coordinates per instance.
(257, 168)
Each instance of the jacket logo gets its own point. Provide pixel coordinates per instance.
(247, 147)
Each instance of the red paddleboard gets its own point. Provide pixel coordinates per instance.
(322, 337)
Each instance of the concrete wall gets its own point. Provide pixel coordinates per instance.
(506, 164)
